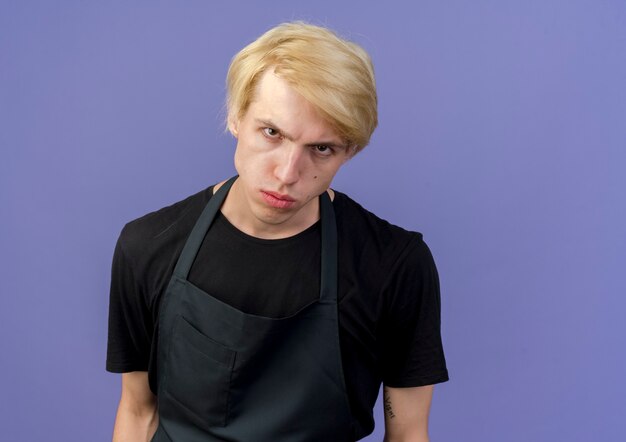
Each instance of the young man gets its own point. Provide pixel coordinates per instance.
(269, 307)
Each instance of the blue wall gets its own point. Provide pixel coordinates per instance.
(502, 139)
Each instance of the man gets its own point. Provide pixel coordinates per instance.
(269, 307)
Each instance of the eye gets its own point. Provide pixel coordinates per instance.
(271, 132)
(323, 150)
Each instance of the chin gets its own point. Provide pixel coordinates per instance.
(273, 218)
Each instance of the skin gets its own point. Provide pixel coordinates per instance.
(406, 413)
(283, 147)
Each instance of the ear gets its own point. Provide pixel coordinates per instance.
(233, 125)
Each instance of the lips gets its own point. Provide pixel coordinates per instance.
(277, 200)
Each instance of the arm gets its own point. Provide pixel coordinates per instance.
(406, 413)
(137, 417)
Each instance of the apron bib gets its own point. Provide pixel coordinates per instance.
(225, 375)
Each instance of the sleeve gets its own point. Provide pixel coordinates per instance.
(130, 321)
(412, 348)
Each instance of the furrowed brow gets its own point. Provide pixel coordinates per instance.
(329, 143)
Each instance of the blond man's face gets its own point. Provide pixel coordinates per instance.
(286, 156)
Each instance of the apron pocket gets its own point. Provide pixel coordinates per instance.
(198, 375)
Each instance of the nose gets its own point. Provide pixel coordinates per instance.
(290, 164)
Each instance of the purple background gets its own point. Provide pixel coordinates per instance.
(502, 139)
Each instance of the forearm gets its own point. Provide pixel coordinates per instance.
(135, 424)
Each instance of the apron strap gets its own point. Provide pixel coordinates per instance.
(328, 284)
(188, 255)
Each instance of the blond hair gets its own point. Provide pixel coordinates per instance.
(335, 75)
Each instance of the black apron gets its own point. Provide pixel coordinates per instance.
(225, 375)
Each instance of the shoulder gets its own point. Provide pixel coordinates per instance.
(153, 232)
(373, 235)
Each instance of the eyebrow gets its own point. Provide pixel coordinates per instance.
(330, 143)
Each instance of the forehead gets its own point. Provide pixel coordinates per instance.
(277, 101)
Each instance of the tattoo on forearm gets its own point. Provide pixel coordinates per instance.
(387, 403)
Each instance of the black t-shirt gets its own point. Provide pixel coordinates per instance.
(388, 292)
